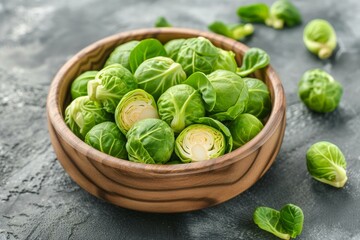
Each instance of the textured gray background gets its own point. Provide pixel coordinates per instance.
(38, 200)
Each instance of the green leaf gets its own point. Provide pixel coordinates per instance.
(162, 22)
(284, 13)
(258, 12)
(254, 59)
(292, 219)
(234, 31)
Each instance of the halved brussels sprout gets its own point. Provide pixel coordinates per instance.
(197, 55)
(180, 106)
(107, 138)
(151, 141)
(156, 75)
(244, 128)
(231, 95)
(133, 107)
(259, 103)
(226, 61)
(110, 85)
(82, 114)
(172, 47)
(121, 54)
(320, 38)
(203, 141)
(79, 85)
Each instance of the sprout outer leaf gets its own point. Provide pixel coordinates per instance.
(254, 59)
(292, 219)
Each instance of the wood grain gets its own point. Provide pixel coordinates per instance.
(161, 188)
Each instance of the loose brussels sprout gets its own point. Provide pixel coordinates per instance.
(79, 85)
(133, 107)
(320, 38)
(121, 54)
(107, 138)
(226, 61)
(285, 224)
(162, 22)
(244, 128)
(180, 106)
(231, 95)
(253, 59)
(82, 114)
(203, 141)
(151, 141)
(320, 91)
(157, 74)
(258, 12)
(110, 85)
(234, 31)
(259, 103)
(326, 163)
(172, 47)
(197, 55)
(283, 12)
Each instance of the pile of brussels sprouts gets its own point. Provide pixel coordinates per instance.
(184, 101)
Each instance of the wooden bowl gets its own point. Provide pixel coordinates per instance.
(161, 188)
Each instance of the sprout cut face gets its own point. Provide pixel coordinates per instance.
(199, 142)
(133, 107)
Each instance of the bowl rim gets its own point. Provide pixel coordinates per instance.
(55, 116)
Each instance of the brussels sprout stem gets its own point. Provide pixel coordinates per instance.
(278, 23)
(243, 31)
(199, 153)
(92, 86)
(340, 178)
(325, 52)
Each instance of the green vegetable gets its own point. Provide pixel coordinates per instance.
(326, 163)
(82, 114)
(284, 13)
(162, 22)
(226, 61)
(133, 107)
(180, 106)
(156, 75)
(234, 31)
(244, 128)
(79, 85)
(320, 91)
(121, 54)
(320, 38)
(285, 224)
(150, 141)
(253, 59)
(110, 85)
(203, 141)
(107, 138)
(231, 95)
(197, 55)
(259, 103)
(172, 47)
(258, 12)
(146, 49)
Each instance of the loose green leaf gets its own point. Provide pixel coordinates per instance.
(292, 219)
(234, 31)
(254, 59)
(254, 13)
(162, 22)
(284, 13)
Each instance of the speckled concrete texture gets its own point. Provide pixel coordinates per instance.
(38, 200)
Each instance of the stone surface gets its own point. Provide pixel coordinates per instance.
(38, 200)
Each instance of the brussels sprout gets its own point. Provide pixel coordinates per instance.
(121, 54)
(234, 31)
(253, 59)
(283, 12)
(146, 49)
(162, 22)
(151, 141)
(133, 107)
(203, 141)
(226, 61)
(197, 55)
(79, 85)
(180, 106)
(110, 85)
(286, 224)
(172, 47)
(231, 95)
(259, 103)
(244, 128)
(82, 114)
(320, 91)
(320, 38)
(157, 74)
(326, 163)
(258, 12)
(107, 138)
